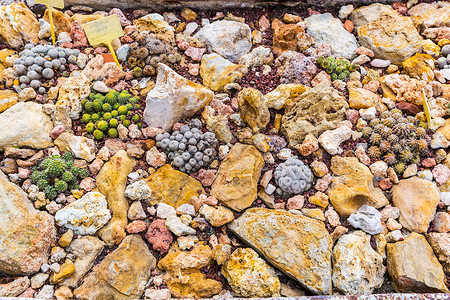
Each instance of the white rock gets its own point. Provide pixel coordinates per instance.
(360, 60)
(177, 227)
(101, 87)
(446, 73)
(46, 292)
(323, 28)
(331, 139)
(38, 280)
(86, 215)
(425, 174)
(164, 211)
(80, 146)
(439, 141)
(190, 28)
(122, 52)
(154, 294)
(284, 154)
(136, 212)
(345, 11)
(380, 63)
(138, 190)
(368, 219)
(270, 189)
(155, 158)
(368, 113)
(394, 236)
(445, 198)
(63, 37)
(258, 57)
(186, 209)
(45, 29)
(379, 168)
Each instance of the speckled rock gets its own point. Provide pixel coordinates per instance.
(79, 146)
(249, 275)
(14, 288)
(417, 200)
(111, 181)
(252, 109)
(138, 190)
(236, 181)
(173, 98)
(297, 245)
(361, 98)
(295, 67)
(413, 266)
(18, 25)
(217, 71)
(25, 233)
(155, 23)
(120, 275)
(216, 216)
(172, 187)
(353, 186)
(357, 268)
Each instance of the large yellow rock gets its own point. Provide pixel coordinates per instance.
(18, 25)
(217, 71)
(155, 23)
(61, 21)
(7, 99)
(111, 181)
(82, 19)
(237, 178)
(361, 98)
(420, 66)
(249, 275)
(353, 186)
(298, 246)
(252, 109)
(172, 187)
(122, 274)
(4, 53)
(413, 266)
(176, 259)
(284, 95)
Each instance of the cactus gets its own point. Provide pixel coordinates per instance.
(123, 98)
(61, 186)
(110, 98)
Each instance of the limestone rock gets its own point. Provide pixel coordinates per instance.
(368, 219)
(417, 200)
(18, 25)
(230, 39)
(357, 268)
(252, 109)
(413, 267)
(216, 216)
(420, 66)
(173, 98)
(285, 36)
(330, 140)
(97, 69)
(25, 233)
(430, 15)
(440, 242)
(299, 246)
(155, 23)
(315, 111)
(323, 28)
(7, 98)
(172, 187)
(138, 190)
(259, 56)
(14, 288)
(176, 259)
(61, 21)
(401, 87)
(284, 95)
(120, 275)
(85, 249)
(177, 227)
(353, 186)
(236, 181)
(362, 98)
(217, 71)
(295, 67)
(86, 215)
(27, 125)
(389, 35)
(111, 181)
(80, 146)
(249, 275)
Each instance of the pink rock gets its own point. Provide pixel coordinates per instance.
(39, 98)
(195, 53)
(56, 131)
(29, 293)
(100, 50)
(121, 85)
(72, 67)
(385, 184)
(309, 145)
(360, 153)
(78, 36)
(322, 76)
(159, 236)
(221, 108)
(372, 86)
(206, 177)
(95, 166)
(441, 174)
(68, 45)
(24, 173)
(296, 202)
(324, 50)
(151, 132)
(352, 115)
(211, 200)
(87, 184)
(364, 51)
(182, 45)
(442, 222)
(295, 67)
(323, 183)
(348, 25)
(122, 19)
(264, 23)
(428, 162)
(177, 126)
(400, 7)
(155, 158)
(136, 226)
(193, 69)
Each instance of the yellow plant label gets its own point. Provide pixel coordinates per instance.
(103, 31)
(426, 107)
(52, 3)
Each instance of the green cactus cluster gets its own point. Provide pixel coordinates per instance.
(336, 67)
(57, 174)
(102, 113)
(397, 139)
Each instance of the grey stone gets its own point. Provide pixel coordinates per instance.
(367, 218)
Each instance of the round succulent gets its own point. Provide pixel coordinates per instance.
(110, 98)
(374, 122)
(123, 98)
(293, 177)
(390, 158)
(98, 135)
(67, 156)
(90, 127)
(374, 152)
(384, 146)
(367, 132)
(50, 192)
(56, 168)
(406, 155)
(97, 104)
(61, 186)
(122, 110)
(42, 184)
(35, 176)
(375, 138)
(106, 107)
(68, 176)
(400, 167)
(392, 139)
(112, 132)
(83, 173)
(102, 125)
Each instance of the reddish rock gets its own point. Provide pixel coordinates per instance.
(78, 36)
(385, 184)
(206, 177)
(122, 19)
(193, 69)
(295, 67)
(56, 131)
(264, 23)
(136, 226)
(322, 76)
(348, 25)
(24, 173)
(400, 7)
(285, 36)
(408, 107)
(195, 53)
(296, 202)
(95, 166)
(440, 173)
(159, 236)
(428, 162)
(352, 115)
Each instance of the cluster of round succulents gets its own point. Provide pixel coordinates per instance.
(188, 149)
(102, 113)
(147, 52)
(339, 69)
(57, 174)
(37, 64)
(397, 139)
(443, 62)
(293, 177)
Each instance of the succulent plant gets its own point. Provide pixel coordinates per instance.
(339, 69)
(293, 177)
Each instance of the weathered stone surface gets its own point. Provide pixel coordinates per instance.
(14, 288)
(297, 245)
(236, 181)
(216, 216)
(25, 233)
(86, 215)
(230, 39)
(353, 186)
(98, 69)
(417, 200)
(172, 187)
(420, 66)
(18, 25)
(389, 35)
(285, 36)
(111, 181)
(217, 71)
(7, 98)
(440, 242)
(430, 15)
(368, 219)
(249, 275)
(413, 267)
(173, 98)
(27, 125)
(315, 111)
(155, 23)
(80, 146)
(295, 67)
(323, 28)
(401, 87)
(357, 268)
(120, 275)
(86, 250)
(362, 98)
(61, 21)
(284, 95)
(252, 109)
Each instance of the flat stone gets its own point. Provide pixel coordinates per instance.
(177, 227)
(236, 182)
(299, 246)
(79, 146)
(217, 71)
(14, 288)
